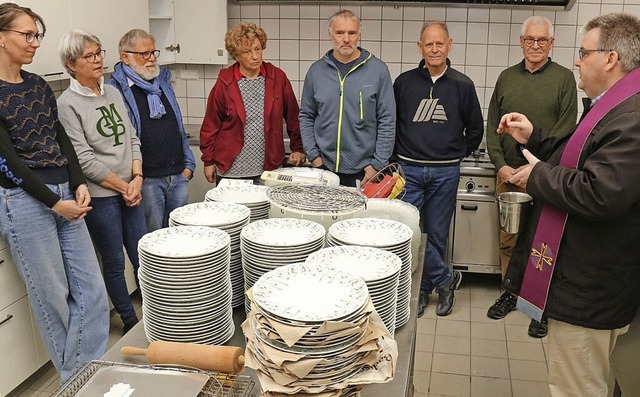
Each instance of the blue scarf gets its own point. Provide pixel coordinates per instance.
(152, 89)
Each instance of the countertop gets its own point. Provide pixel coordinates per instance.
(402, 384)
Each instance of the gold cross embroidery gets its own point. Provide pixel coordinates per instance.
(542, 257)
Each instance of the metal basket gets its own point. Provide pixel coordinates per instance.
(218, 385)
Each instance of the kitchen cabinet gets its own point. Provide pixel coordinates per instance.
(189, 31)
(109, 21)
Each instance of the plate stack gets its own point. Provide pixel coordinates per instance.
(185, 283)
(385, 234)
(253, 197)
(229, 217)
(379, 269)
(312, 330)
(270, 243)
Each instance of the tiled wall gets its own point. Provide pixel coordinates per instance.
(485, 40)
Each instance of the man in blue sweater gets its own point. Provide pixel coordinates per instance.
(168, 162)
(439, 121)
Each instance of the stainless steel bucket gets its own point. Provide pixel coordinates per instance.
(513, 207)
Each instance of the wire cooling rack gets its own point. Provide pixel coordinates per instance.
(218, 384)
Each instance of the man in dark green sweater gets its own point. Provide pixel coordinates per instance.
(546, 93)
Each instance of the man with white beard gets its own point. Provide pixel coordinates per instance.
(167, 160)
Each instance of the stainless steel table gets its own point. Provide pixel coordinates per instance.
(402, 384)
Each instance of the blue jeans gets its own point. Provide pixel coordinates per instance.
(113, 224)
(433, 191)
(56, 261)
(162, 195)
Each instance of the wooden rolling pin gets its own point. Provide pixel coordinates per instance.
(228, 359)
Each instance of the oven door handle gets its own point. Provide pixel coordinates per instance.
(468, 207)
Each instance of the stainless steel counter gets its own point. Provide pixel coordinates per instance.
(402, 384)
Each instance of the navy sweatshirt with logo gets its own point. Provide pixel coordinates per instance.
(437, 123)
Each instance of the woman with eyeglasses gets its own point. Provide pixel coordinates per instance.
(95, 117)
(43, 200)
(241, 134)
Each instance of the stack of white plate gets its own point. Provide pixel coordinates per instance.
(384, 234)
(253, 197)
(379, 269)
(229, 217)
(305, 296)
(185, 283)
(270, 243)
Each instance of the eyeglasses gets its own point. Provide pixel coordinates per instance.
(93, 57)
(530, 41)
(29, 36)
(146, 55)
(582, 52)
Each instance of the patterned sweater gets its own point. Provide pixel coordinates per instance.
(34, 149)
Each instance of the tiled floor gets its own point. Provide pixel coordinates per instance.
(464, 354)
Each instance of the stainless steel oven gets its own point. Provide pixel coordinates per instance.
(474, 233)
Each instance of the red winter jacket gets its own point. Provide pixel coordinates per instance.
(222, 131)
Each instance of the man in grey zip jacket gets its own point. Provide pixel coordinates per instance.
(348, 110)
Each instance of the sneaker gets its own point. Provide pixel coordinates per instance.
(504, 305)
(423, 302)
(538, 329)
(446, 296)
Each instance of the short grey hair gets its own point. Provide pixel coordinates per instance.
(129, 40)
(619, 32)
(72, 46)
(442, 24)
(539, 20)
(346, 14)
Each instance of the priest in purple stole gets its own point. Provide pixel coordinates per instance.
(578, 259)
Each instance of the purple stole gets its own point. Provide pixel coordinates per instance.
(546, 241)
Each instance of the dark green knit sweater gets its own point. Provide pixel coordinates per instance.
(548, 97)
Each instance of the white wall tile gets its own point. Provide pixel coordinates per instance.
(480, 94)
(304, 68)
(587, 12)
(565, 36)
(392, 30)
(457, 31)
(410, 53)
(478, 15)
(392, 13)
(565, 56)
(414, 13)
(196, 107)
(499, 33)
(476, 54)
(291, 69)
(309, 50)
(310, 29)
(391, 51)
(233, 10)
(371, 12)
(500, 15)
(456, 14)
(477, 74)
(498, 55)
(326, 11)
(271, 27)
(290, 30)
(514, 36)
(519, 16)
(289, 50)
(372, 29)
(211, 71)
(477, 33)
(492, 75)
(633, 9)
(208, 85)
(289, 11)
(269, 11)
(310, 11)
(179, 86)
(567, 17)
(394, 70)
(457, 56)
(372, 46)
(195, 88)
(272, 51)
(515, 55)
(609, 8)
(435, 13)
(549, 14)
(411, 30)
(407, 66)
(250, 12)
